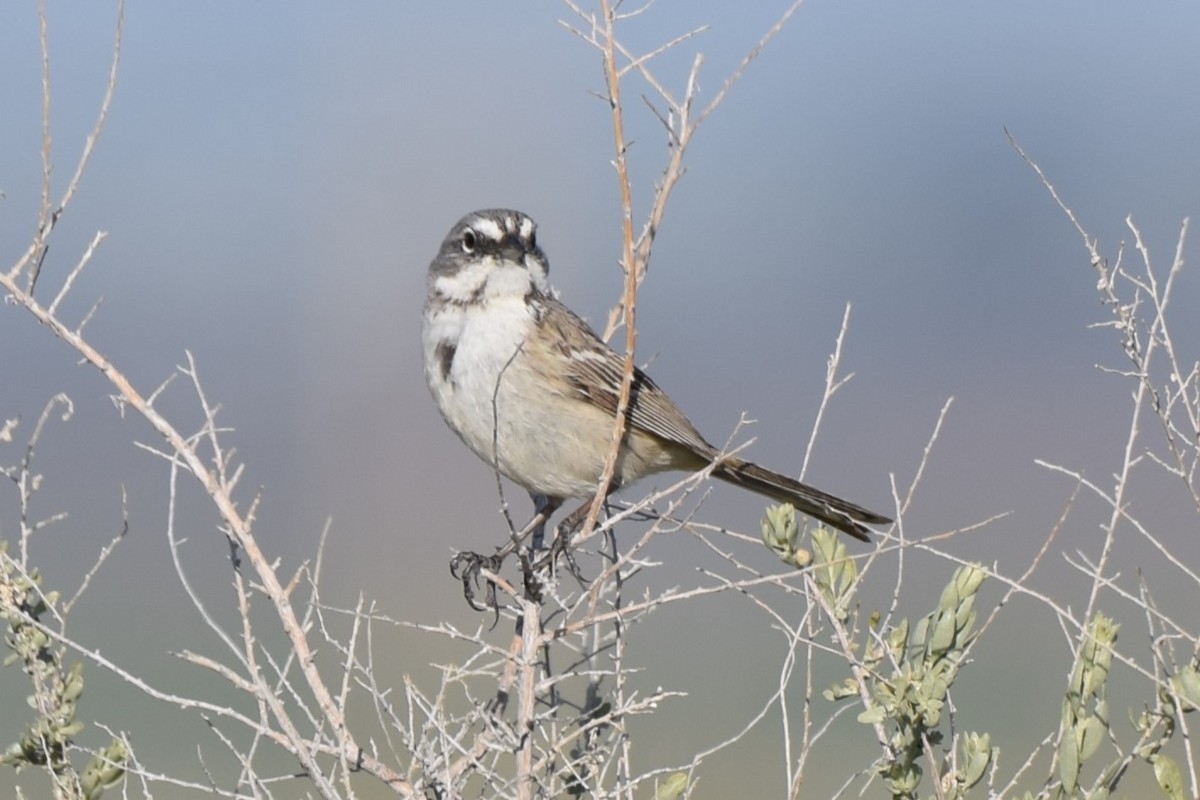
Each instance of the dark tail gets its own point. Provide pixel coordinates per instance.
(841, 514)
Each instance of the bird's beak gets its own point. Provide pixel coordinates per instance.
(511, 250)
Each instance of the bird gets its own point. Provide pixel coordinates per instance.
(531, 389)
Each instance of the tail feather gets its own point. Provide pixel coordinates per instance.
(841, 514)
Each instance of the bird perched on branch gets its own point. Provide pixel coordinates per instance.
(533, 391)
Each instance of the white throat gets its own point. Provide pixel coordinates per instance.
(487, 280)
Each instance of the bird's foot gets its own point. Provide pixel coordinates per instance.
(468, 567)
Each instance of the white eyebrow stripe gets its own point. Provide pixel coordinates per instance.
(489, 228)
(526, 228)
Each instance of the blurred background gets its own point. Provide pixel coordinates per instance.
(275, 177)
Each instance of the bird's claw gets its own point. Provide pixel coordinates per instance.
(468, 568)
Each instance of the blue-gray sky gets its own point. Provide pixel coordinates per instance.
(275, 177)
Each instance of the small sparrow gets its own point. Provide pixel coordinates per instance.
(532, 390)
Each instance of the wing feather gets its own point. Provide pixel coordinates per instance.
(594, 372)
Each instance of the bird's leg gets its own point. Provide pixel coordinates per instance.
(466, 566)
(565, 530)
(572, 522)
(544, 508)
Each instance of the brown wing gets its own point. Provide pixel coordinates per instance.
(594, 371)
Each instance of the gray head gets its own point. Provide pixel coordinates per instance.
(492, 238)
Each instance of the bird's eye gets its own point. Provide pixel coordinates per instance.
(469, 241)
(533, 240)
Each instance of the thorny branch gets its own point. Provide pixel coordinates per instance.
(548, 712)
